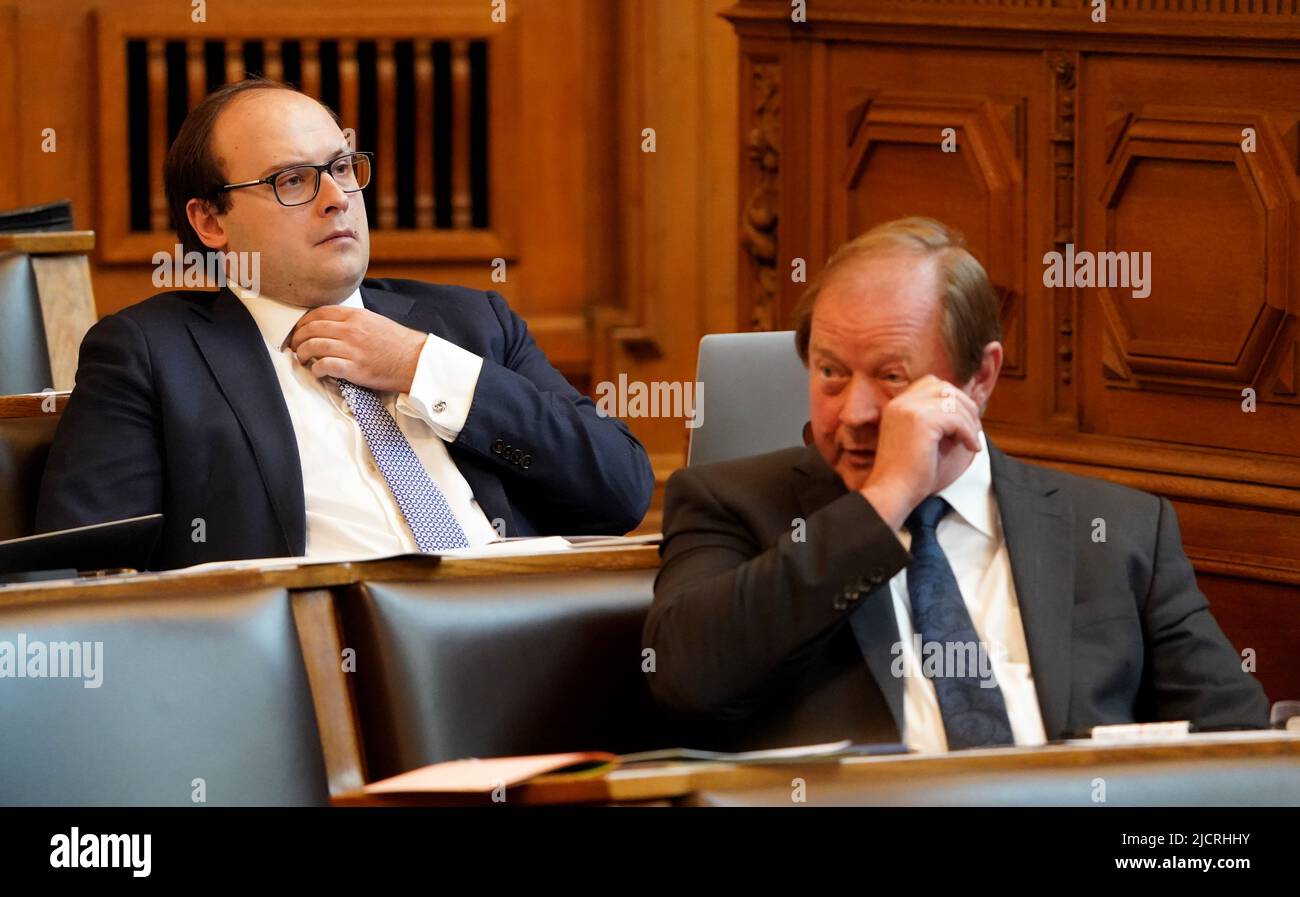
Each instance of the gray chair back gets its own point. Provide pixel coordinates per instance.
(24, 353)
(755, 396)
(167, 700)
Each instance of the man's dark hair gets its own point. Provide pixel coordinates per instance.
(192, 171)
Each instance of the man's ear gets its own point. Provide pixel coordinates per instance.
(980, 386)
(207, 224)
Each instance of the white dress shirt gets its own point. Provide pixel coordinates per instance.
(350, 510)
(971, 536)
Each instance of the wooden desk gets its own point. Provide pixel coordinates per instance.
(1266, 768)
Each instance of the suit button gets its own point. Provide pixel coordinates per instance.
(497, 446)
(877, 574)
(516, 455)
(839, 603)
(528, 459)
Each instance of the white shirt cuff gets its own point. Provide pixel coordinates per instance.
(443, 387)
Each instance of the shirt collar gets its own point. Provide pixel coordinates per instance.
(971, 494)
(276, 319)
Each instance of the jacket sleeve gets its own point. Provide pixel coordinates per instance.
(106, 460)
(1194, 673)
(729, 613)
(547, 441)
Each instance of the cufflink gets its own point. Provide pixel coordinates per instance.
(439, 407)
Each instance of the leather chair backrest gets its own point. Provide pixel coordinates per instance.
(755, 396)
(207, 687)
(24, 446)
(501, 666)
(24, 352)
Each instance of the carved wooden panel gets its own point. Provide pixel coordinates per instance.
(1198, 168)
(761, 93)
(919, 132)
(1203, 325)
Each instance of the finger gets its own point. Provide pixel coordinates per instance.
(960, 421)
(331, 367)
(971, 423)
(317, 348)
(319, 328)
(954, 400)
(321, 313)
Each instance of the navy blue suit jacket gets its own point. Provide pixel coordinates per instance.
(177, 409)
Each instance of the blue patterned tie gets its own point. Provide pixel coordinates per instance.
(973, 716)
(421, 501)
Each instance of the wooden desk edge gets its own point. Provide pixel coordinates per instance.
(639, 784)
(317, 576)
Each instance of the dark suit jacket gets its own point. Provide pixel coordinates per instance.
(771, 641)
(177, 409)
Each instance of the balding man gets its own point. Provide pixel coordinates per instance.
(900, 579)
(319, 412)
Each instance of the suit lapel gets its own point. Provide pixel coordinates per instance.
(1038, 525)
(232, 346)
(873, 623)
(393, 306)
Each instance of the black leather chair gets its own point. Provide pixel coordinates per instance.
(501, 666)
(208, 687)
(24, 446)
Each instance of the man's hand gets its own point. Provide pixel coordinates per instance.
(927, 436)
(357, 345)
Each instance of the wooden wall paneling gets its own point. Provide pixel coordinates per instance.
(424, 186)
(1259, 616)
(1162, 153)
(677, 279)
(10, 141)
(386, 139)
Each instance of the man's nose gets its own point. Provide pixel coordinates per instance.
(331, 196)
(862, 403)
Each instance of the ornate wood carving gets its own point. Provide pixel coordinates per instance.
(1064, 68)
(758, 222)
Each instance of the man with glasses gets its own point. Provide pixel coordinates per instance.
(325, 414)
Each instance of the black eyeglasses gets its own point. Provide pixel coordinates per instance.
(299, 185)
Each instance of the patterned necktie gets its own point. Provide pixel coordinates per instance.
(421, 501)
(974, 715)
